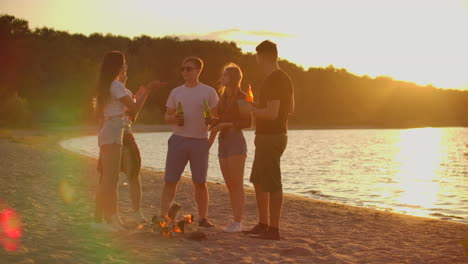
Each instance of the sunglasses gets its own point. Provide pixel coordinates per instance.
(187, 68)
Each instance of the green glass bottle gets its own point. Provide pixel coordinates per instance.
(207, 113)
(180, 114)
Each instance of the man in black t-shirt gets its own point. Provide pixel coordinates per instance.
(276, 101)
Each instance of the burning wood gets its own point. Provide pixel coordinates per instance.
(169, 226)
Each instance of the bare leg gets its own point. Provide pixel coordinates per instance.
(202, 198)
(167, 196)
(135, 192)
(134, 181)
(108, 195)
(276, 200)
(262, 203)
(233, 173)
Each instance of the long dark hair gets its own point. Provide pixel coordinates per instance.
(110, 69)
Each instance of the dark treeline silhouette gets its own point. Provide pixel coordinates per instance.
(48, 76)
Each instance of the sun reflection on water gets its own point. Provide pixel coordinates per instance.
(420, 157)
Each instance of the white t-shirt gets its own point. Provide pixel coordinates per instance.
(113, 106)
(192, 104)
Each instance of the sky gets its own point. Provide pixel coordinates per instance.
(421, 41)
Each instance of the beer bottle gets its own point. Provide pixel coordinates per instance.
(207, 113)
(180, 114)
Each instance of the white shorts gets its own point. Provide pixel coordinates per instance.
(112, 130)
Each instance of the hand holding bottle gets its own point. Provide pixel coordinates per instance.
(179, 114)
(207, 113)
(246, 105)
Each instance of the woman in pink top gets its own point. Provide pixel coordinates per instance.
(232, 148)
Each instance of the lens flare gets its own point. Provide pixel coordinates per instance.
(8, 243)
(11, 224)
(67, 192)
(10, 229)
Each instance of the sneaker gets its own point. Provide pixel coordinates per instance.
(268, 235)
(233, 227)
(257, 229)
(205, 223)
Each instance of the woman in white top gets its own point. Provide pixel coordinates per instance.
(112, 104)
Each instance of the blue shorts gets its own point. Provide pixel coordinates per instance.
(180, 151)
(231, 143)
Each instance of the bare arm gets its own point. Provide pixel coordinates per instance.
(135, 107)
(212, 137)
(128, 102)
(170, 116)
(270, 112)
(214, 112)
(140, 98)
(213, 133)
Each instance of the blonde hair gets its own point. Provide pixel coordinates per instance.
(235, 77)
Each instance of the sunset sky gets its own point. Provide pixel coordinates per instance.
(423, 41)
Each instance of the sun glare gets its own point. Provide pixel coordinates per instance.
(420, 157)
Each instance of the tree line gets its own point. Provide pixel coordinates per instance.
(48, 77)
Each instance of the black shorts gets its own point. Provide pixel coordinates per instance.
(266, 168)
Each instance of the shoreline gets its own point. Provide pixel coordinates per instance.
(437, 216)
(313, 231)
(388, 208)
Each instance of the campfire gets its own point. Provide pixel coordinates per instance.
(169, 226)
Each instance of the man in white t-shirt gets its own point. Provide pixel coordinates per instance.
(189, 141)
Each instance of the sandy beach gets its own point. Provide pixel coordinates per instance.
(52, 190)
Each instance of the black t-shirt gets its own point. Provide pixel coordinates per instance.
(277, 86)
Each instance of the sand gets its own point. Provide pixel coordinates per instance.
(52, 190)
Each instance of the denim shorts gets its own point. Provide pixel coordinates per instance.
(231, 143)
(112, 130)
(180, 151)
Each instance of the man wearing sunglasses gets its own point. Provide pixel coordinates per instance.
(189, 140)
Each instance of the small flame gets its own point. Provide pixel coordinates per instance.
(188, 218)
(140, 226)
(166, 233)
(169, 226)
(250, 97)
